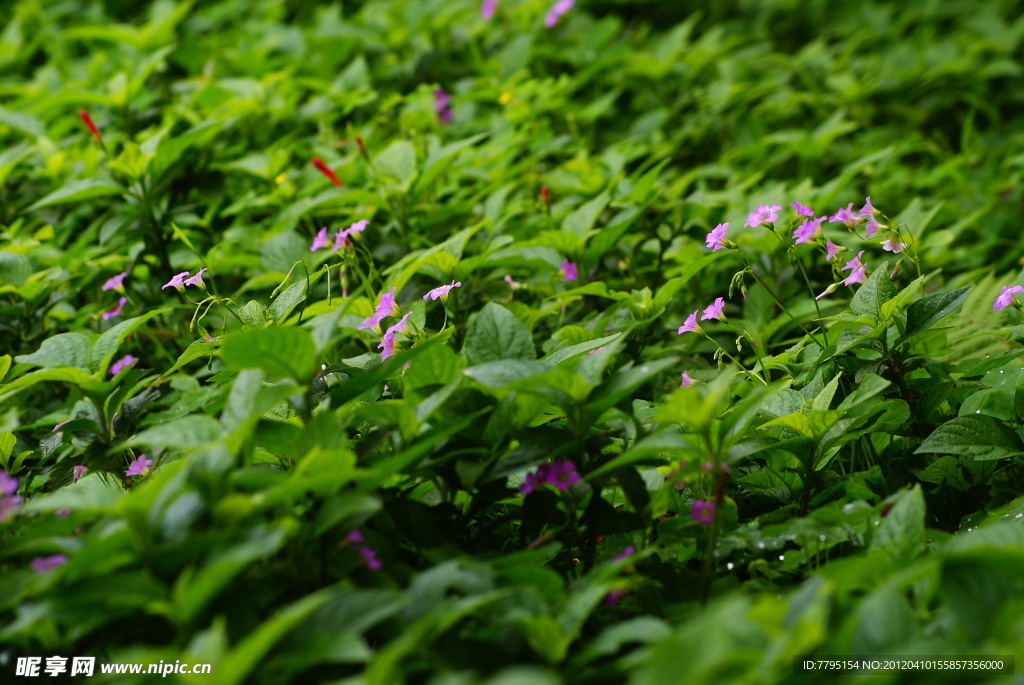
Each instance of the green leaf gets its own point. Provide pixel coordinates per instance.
(15, 268)
(77, 191)
(582, 220)
(931, 309)
(976, 436)
(398, 161)
(65, 349)
(901, 533)
(105, 347)
(875, 292)
(281, 350)
(495, 333)
(194, 430)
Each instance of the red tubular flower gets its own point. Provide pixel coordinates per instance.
(326, 171)
(87, 120)
(362, 146)
(545, 196)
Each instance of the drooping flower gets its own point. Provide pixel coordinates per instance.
(764, 214)
(624, 554)
(441, 291)
(122, 363)
(387, 345)
(569, 271)
(561, 474)
(115, 282)
(342, 239)
(856, 276)
(512, 285)
(9, 501)
(1005, 298)
(686, 381)
(326, 171)
(386, 306)
(366, 553)
(320, 240)
(556, 12)
(716, 239)
(139, 467)
(44, 564)
(614, 596)
(176, 282)
(831, 250)
(802, 210)
(828, 291)
(87, 120)
(56, 429)
(197, 280)
(867, 208)
(401, 327)
(442, 105)
(703, 511)
(487, 8)
(77, 471)
(115, 310)
(714, 311)
(893, 245)
(846, 216)
(854, 263)
(808, 230)
(691, 325)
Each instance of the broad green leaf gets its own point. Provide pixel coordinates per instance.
(495, 333)
(105, 347)
(874, 292)
(901, 532)
(194, 430)
(76, 191)
(582, 220)
(15, 268)
(64, 349)
(931, 309)
(976, 436)
(281, 350)
(398, 161)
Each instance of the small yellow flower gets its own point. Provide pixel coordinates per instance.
(280, 178)
(505, 97)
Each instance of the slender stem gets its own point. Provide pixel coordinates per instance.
(776, 300)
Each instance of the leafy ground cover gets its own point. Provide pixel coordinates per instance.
(433, 342)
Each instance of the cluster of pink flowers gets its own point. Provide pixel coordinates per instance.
(44, 564)
(369, 557)
(713, 311)
(561, 474)
(488, 8)
(9, 501)
(386, 306)
(122, 363)
(556, 12)
(441, 292)
(1006, 297)
(443, 105)
(115, 283)
(343, 238)
(139, 467)
(181, 280)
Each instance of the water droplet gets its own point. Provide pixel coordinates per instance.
(729, 566)
(977, 411)
(782, 557)
(821, 538)
(1000, 370)
(760, 545)
(1018, 516)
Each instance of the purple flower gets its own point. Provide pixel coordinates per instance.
(831, 250)
(595, 351)
(342, 239)
(714, 311)
(122, 363)
(871, 227)
(854, 263)
(139, 467)
(442, 102)
(569, 271)
(624, 554)
(115, 282)
(77, 471)
(867, 208)
(197, 280)
(387, 345)
(44, 564)
(764, 214)
(63, 513)
(846, 216)
(828, 291)
(512, 285)
(9, 502)
(686, 381)
(1005, 298)
(556, 12)
(613, 597)
(856, 276)
(893, 245)
(561, 474)
(320, 240)
(441, 291)
(401, 327)
(487, 8)
(8, 485)
(703, 511)
(808, 230)
(386, 306)
(801, 210)
(355, 537)
(176, 282)
(716, 239)
(691, 325)
(116, 310)
(57, 427)
(369, 558)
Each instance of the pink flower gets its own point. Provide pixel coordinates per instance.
(368, 556)
(77, 471)
(716, 239)
(691, 325)
(44, 564)
(441, 291)
(856, 276)
(9, 502)
(139, 467)
(386, 307)
(401, 327)
(1006, 298)
(442, 105)
(714, 311)
(320, 240)
(597, 350)
(867, 208)
(556, 12)
(686, 381)
(176, 282)
(341, 239)
(808, 230)
(487, 8)
(115, 282)
(512, 285)
(568, 270)
(387, 345)
(893, 245)
(614, 596)
(561, 474)
(854, 263)
(116, 310)
(122, 363)
(197, 280)
(828, 291)
(703, 511)
(624, 554)
(871, 227)
(831, 250)
(802, 210)
(764, 214)
(58, 426)
(846, 216)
